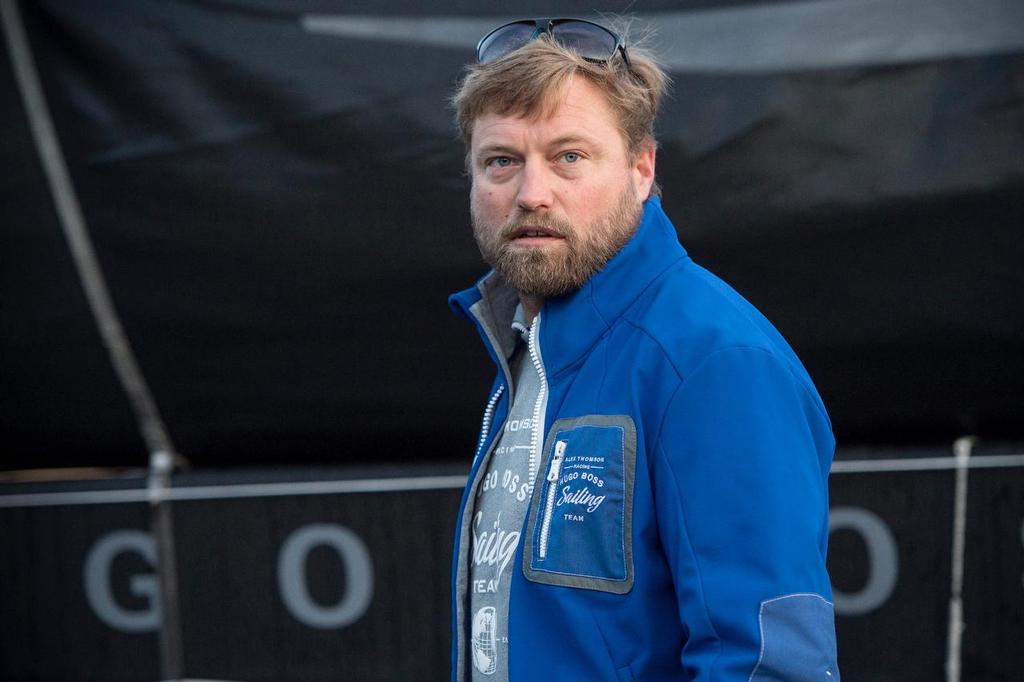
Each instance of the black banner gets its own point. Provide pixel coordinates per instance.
(324, 575)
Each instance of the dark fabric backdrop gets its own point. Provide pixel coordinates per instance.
(281, 213)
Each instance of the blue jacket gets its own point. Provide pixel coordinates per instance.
(679, 522)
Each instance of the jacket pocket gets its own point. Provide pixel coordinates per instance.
(798, 640)
(581, 514)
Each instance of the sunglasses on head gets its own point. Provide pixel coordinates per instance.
(589, 40)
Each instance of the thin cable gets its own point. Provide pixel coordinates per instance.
(867, 466)
(237, 491)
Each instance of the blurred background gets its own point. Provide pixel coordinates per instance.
(235, 411)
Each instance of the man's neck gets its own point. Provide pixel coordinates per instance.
(531, 306)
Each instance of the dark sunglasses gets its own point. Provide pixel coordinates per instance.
(589, 40)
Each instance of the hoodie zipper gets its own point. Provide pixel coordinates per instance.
(485, 427)
(549, 505)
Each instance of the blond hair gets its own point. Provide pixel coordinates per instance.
(526, 82)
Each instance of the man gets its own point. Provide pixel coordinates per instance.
(648, 500)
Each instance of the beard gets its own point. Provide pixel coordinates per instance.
(565, 265)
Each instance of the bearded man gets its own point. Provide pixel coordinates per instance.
(648, 499)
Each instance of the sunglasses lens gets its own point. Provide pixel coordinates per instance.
(590, 41)
(505, 39)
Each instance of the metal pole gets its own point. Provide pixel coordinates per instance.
(962, 452)
(172, 650)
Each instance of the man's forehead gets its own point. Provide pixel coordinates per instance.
(573, 110)
(520, 115)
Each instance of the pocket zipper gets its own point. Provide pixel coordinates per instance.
(549, 507)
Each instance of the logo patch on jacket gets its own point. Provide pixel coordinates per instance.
(581, 514)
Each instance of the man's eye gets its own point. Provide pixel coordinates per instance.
(500, 161)
(571, 157)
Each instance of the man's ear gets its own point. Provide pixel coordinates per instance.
(642, 170)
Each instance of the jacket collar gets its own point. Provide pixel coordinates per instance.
(571, 324)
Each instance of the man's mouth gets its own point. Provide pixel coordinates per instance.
(530, 235)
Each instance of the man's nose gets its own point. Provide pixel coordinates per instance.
(535, 190)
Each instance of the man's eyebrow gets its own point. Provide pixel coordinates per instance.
(495, 148)
(569, 140)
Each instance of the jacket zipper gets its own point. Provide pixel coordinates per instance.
(538, 426)
(549, 506)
